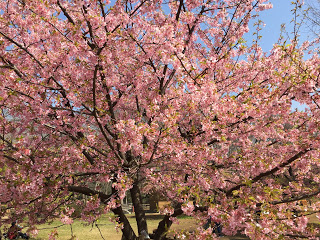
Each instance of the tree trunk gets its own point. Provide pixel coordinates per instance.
(138, 209)
(127, 231)
(165, 224)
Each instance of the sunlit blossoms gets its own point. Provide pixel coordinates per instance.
(99, 99)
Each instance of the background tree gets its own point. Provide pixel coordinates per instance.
(156, 96)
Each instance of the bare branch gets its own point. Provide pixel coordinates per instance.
(65, 13)
(21, 47)
(104, 198)
(270, 172)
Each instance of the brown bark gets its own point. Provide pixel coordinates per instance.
(127, 230)
(164, 225)
(138, 208)
(268, 173)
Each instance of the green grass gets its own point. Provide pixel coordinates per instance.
(84, 231)
(81, 230)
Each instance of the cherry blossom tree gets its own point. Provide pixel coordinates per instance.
(158, 97)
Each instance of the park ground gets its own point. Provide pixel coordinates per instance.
(105, 229)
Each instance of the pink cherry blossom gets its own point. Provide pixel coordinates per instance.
(101, 99)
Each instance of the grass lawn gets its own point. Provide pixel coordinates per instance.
(83, 231)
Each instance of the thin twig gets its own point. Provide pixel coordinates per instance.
(100, 231)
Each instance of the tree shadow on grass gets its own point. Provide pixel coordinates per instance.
(159, 217)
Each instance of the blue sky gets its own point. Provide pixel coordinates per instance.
(273, 18)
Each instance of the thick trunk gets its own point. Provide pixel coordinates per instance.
(164, 225)
(127, 231)
(104, 198)
(138, 209)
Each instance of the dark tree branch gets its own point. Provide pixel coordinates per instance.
(91, 44)
(138, 7)
(165, 224)
(294, 199)
(88, 156)
(19, 92)
(138, 208)
(104, 198)
(270, 172)
(179, 10)
(12, 159)
(86, 174)
(65, 13)
(21, 47)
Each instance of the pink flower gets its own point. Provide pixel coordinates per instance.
(66, 220)
(188, 208)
